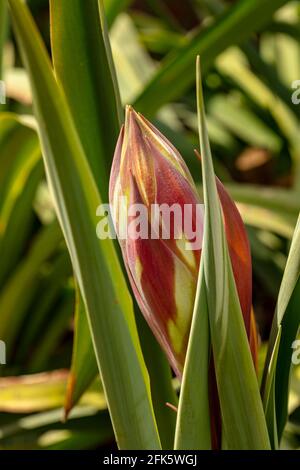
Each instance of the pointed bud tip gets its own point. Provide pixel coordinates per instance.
(130, 110)
(130, 115)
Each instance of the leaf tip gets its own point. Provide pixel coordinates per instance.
(69, 403)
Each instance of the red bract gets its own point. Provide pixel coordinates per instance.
(148, 170)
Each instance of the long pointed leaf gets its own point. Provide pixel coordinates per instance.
(177, 71)
(114, 7)
(79, 37)
(84, 366)
(78, 45)
(162, 389)
(95, 263)
(284, 330)
(242, 413)
(21, 285)
(3, 30)
(193, 422)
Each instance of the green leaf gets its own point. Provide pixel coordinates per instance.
(113, 8)
(243, 420)
(103, 288)
(50, 286)
(270, 209)
(193, 421)
(162, 390)
(46, 431)
(49, 341)
(244, 123)
(3, 31)
(269, 397)
(284, 330)
(96, 99)
(21, 171)
(288, 48)
(134, 65)
(177, 71)
(78, 44)
(289, 29)
(276, 199)
(234, 64)
(265, 74)
(32, 393)
(84, 366)
(268, 74)
(290, 328)
(40, 392)
(21, 286)
(84, 370)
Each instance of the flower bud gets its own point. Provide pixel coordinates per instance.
(158, 217)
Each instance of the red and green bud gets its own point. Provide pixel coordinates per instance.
(147, 170)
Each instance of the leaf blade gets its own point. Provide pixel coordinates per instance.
(193, 421)
(241, 407)
(84, 366)
(95, 263)
(284, 330)
(176, 73)
(78, 44)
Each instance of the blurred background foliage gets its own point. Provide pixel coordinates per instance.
(251, 56)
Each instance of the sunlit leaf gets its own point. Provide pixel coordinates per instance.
(284, 330)
(95, 263)
(21, 286)
(21, 172)
(84, 366)
(78, 44)
(3, 31)
(193, 422)
(243, 420)
(176, 73)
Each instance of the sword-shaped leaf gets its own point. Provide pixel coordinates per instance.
(284, 330)
(95, 263)
(243, 421)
